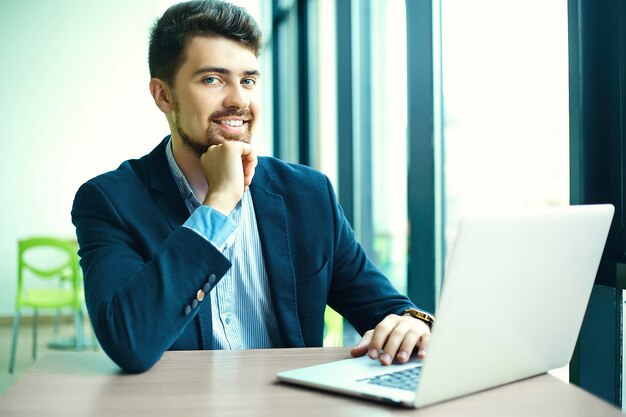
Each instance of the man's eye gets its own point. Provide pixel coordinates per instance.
(248, 81)
(210, 80)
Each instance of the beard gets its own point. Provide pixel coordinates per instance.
(213, 135)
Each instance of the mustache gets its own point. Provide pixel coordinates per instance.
(232, 113)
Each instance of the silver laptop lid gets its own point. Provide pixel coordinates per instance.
(513, 299)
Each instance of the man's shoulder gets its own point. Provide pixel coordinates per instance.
(112, 176)
(131, 170)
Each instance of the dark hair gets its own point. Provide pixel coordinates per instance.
(183, 21)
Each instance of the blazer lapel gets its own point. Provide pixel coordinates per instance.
(168, 199)
(271, 215)
(166, 193)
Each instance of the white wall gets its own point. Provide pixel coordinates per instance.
(75, 103)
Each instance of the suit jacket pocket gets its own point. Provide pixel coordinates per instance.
(312, 294)
(321, 272)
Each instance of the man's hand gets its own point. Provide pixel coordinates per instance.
(394, 338)
(228, 168)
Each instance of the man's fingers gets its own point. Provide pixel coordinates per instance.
(380, 336)
(249, 161)
(400, 343)
(228, 168)
(397, 337)
(411, 340)
(423, 345)
(361, 348)
(248, 170)
(247, 177)
(246, 148)
(247, 152)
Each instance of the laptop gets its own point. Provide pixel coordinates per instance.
(513, 299)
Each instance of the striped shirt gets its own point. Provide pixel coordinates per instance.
(241, 307)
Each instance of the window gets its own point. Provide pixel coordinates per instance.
(505, 90)
(389, 139)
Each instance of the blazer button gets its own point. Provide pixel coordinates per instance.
(187, 310)
(212, 278)
(206, 288)
(200, 295)
(194, 304)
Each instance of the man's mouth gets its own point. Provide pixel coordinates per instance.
(232, 126)
(231, 123)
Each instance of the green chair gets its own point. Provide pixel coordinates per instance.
(33, 292)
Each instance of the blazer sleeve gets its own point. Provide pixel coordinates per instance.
(136, 294)
(358, 290)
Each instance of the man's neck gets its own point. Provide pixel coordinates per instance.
(190, 165)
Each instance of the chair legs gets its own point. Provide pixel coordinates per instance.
(16, 327)
(35, 320)
(57, 322)
(78, 323)
(79, 339)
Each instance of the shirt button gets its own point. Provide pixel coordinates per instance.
(187, 310)
(227, 320)
(212, 278)
(200, 295)
(194, 304)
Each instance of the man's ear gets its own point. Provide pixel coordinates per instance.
(162, 95)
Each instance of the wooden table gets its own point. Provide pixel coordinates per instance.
(243, 383)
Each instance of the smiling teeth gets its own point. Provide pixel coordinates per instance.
(232, 123)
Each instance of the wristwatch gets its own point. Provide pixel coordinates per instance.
(429, 319)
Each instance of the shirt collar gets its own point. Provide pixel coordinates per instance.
(181, 181)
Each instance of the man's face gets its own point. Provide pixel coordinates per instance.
(215, 94)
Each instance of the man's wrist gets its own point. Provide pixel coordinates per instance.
(427, 318)
(220, 202)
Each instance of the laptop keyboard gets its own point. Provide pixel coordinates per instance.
(405, 379)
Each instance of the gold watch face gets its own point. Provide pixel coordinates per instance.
(420, 315)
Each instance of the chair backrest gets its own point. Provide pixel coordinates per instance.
(66, 269)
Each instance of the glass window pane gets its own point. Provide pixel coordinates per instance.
(325, 72)
(505, 89)
(389, 139)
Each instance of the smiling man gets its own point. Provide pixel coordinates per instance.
(203, 245)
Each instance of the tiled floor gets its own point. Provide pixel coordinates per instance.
(23, 357)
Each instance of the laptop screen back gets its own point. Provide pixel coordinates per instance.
(513, 298)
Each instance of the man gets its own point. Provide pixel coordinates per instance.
(202, 245)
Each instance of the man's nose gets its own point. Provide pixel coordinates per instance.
(236, 97)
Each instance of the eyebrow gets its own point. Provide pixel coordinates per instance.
(224, 71)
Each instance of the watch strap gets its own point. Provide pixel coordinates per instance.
(429, 319)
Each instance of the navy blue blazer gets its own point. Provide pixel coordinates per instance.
(142, 268)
